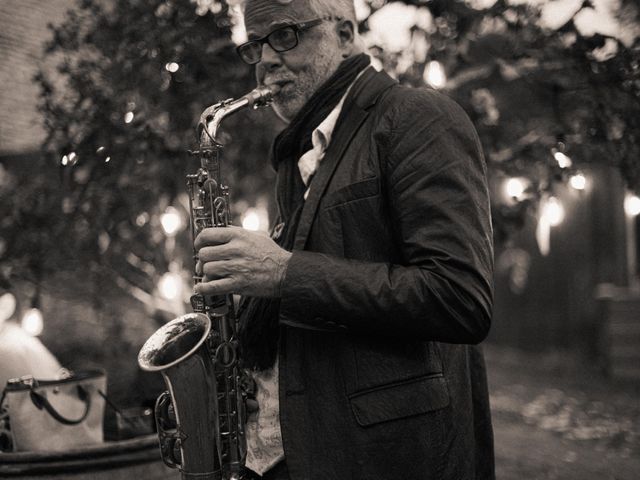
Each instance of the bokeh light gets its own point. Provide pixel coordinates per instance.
(171, 221)
(553, 211)
(172, 67)
(434, 74)
(32, 322)
(251, 220)
(7, 306)
(563, 160)
(69, 159)
(256, 218)
(578, 181)
(515, 187)
(632, 205)
(170, 286)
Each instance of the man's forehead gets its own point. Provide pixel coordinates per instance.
(261, 14)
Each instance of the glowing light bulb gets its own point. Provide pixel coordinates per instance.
(170, 286)
(69, 159)
(578, 181)
(632, 205)
(32, 322)
(128, 117)
(142, 219)
(251, 220)
(7, 306)
(515, 187)
(553, 211)
(563, 160)
(171, 221)
(434, 74)
(172, 67)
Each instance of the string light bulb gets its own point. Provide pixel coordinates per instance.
(33, 322)
(251, 220)
(515, 188)
(172, 67)
(434, 74)
(563, 160)
(632, 205)
(7, 306)
(578, 181)
(256, 218)
(171, 221)
(70, 158)
(553, 211)
(170, 286)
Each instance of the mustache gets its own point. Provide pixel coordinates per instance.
(272, 80)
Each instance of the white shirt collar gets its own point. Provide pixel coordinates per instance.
(321, 136)
(320, 139)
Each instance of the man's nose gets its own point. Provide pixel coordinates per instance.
(270, 58)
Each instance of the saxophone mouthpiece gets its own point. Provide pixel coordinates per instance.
(262, 95)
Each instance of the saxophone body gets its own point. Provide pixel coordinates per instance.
(201, 417)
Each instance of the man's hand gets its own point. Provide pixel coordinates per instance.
(235, 260)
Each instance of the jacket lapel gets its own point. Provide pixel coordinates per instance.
(356, 108)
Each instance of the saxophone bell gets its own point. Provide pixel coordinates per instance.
(186, 427)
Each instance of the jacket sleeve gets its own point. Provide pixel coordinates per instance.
(436, 187)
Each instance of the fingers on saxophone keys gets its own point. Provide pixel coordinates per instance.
(216, 270)
(218, 253)
(214, 236)
(215, 287)
(208, 254)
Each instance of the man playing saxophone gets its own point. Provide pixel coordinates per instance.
(361, 313)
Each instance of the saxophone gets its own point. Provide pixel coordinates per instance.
(200, 418)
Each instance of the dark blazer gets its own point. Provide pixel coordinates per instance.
(389, 283)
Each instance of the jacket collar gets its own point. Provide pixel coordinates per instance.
(364, 94)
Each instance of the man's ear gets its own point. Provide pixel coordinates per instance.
(346, 37)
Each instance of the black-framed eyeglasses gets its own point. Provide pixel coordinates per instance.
(281, 39)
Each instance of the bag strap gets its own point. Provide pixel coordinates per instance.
(40, 401)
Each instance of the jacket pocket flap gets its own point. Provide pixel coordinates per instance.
(399, 400)
(355, 191)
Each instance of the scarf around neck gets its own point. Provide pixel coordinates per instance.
(259, 326)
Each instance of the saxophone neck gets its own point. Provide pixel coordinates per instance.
(211, 119)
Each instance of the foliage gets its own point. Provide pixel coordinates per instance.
(133, 76)
(536, 81)
(130, 82)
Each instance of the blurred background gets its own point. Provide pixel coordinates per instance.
(98, 102)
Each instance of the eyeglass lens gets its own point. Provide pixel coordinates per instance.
(280, 40)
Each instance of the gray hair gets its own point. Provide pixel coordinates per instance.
(336, 8)
(344, 9)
